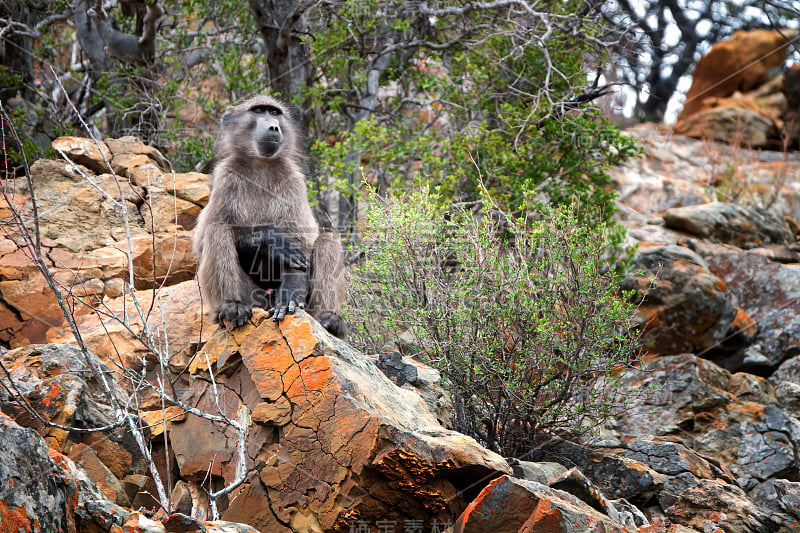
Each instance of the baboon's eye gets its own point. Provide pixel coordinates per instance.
(266, 108)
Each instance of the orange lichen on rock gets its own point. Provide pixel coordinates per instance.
(331, 435)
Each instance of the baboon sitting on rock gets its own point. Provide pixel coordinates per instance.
(257, 239)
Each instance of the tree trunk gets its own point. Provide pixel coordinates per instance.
(281, 23)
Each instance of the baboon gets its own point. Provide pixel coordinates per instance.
(257, 239)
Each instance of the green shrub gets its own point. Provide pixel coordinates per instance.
(524, 318)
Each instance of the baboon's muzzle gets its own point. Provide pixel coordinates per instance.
(269, 138)
(269, 145)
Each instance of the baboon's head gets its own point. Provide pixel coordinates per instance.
(259, 127)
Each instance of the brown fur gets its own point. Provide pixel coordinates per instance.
(250, 189)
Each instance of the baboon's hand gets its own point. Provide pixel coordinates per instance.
(291, 295)
(233, 314)
(266, 240)
(292, 258)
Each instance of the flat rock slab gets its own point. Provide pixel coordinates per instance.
(742, 226)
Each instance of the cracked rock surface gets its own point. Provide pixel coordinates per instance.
(332, 439)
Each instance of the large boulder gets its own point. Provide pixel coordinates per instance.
(509, 505)
(684, 307)
(741, 63)
(174, 315)
(332, 440)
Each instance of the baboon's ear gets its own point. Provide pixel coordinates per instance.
(228, 119)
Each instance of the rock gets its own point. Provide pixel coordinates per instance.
(730, 223)
(751, 388)
(575, 483)
(672, 173)
(181, 523)
(740, 63)
(80, 215)
(789, 371)
(616, 475)
(791, 117)
(543, 473)
(788, 396)
(690, 397)
(679, 171)
(29, 499)
(115, 457)
(733, 123)
(508, 504)
(181, 498)
(760, 285)
(397, 370)
(92, 154)
(408, 373)
(130, 153)
(84, 235)
(716, 506)
(779, 495)
(778, 339)
(141, 491)
(777, 253)
(57, 383)
(669, 457)
(98, 472)
(685, 306)
(164, 259)
(177, 316)
(354, 446)
(191, 186)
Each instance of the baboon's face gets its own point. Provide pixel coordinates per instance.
(260, 127)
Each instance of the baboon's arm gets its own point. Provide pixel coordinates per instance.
(222, 281)
(328, 283)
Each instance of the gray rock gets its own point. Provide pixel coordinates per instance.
(788, 396)
(410, 374)
(617, 476)
(685, 307)
(393, 366)
(777, 340)
(691, 397)
(779, 495)
(743, 226)
(713, 505)
(788, 371)
(760, 285)
(626, 514)
(543, 472)
(30, 497)
(670, 457)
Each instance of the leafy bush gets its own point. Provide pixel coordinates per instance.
(523, 317)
